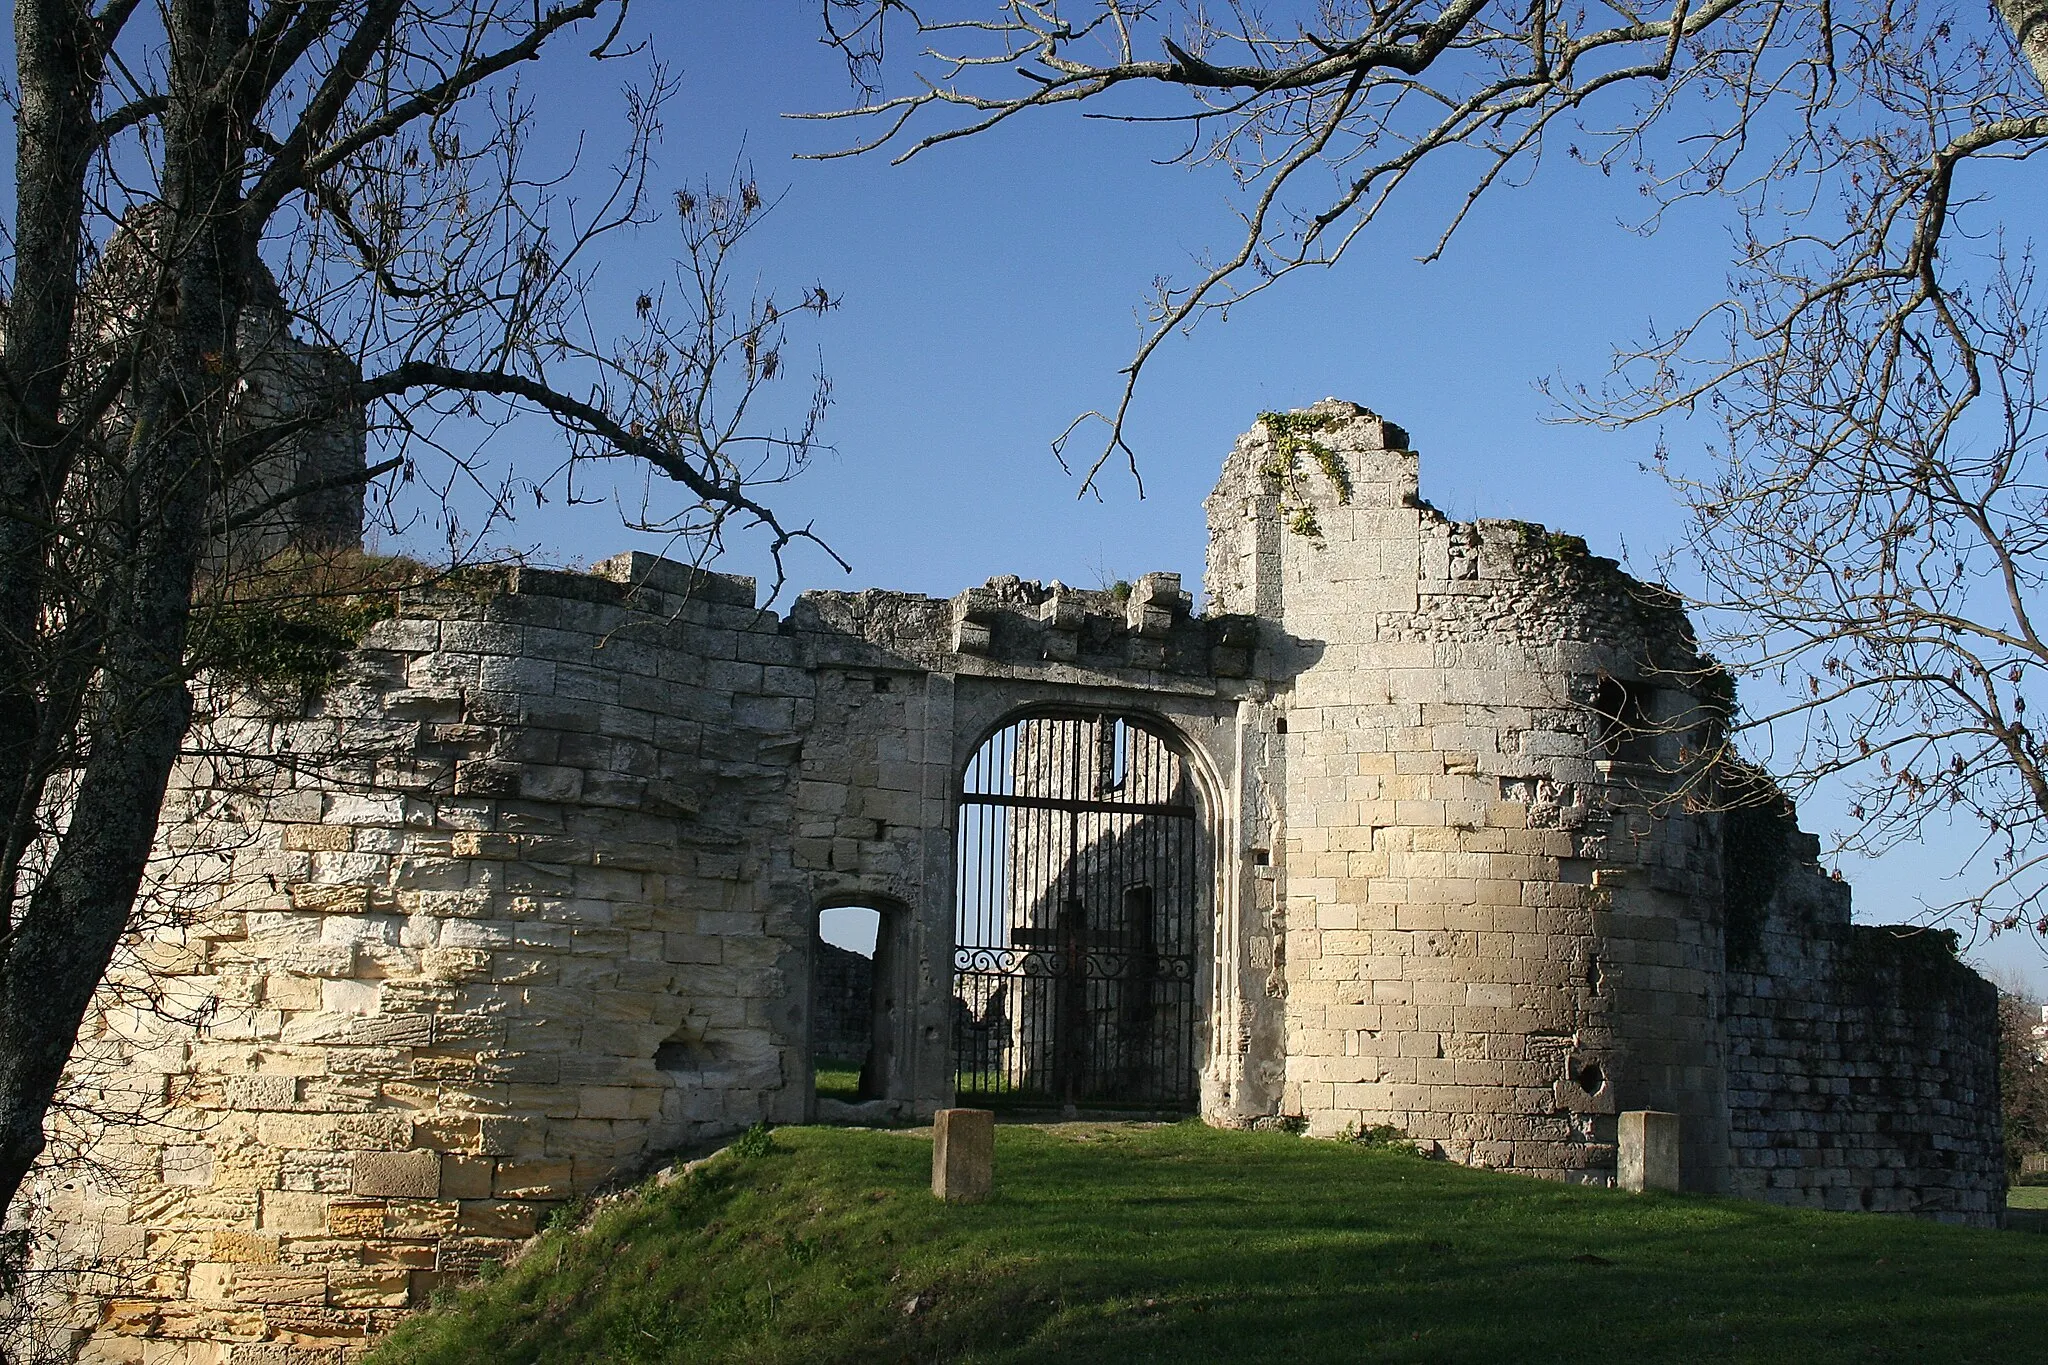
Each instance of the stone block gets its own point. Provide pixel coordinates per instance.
(963, 1155)
(970, 637)
(535, 1179)
(418, 1219)
(281, 1284)
(188, 1164)
(467, 1177)
(317, 838)
(253, 1094)
(356, 1218)
(499, 1218)
(369, 1287)
(379, 1132)
(397, 1175)
(276, 1353)
(1648, 1156)
(465, 1256)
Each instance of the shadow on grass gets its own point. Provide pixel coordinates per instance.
(1186, 1244)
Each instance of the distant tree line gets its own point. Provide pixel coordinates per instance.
(2023, 1086)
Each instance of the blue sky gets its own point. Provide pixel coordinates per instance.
(989, 292)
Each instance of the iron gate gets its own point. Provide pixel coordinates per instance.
(1082, 877)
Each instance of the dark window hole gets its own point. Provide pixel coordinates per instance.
(1280, 726)
(1590, 1078)
(1624, 732)
(687, 1054)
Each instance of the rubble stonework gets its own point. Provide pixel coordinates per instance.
(530, 897)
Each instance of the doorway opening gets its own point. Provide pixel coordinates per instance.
(1080, 918)
(853, 1005)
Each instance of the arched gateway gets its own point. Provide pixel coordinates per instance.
(1081, 919)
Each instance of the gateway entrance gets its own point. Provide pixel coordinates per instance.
(1081, 917)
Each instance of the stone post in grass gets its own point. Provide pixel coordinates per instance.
(1648, 1158)
(963, 1155)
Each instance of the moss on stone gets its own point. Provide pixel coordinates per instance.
(1554, 545)
(1757, 832)
(1918, 970)
(292, 625)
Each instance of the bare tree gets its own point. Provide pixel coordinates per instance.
(1869, 527)
(237, 227)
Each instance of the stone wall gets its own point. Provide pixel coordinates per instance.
(529, 898)
(1862, 1061)
(842, 1006)
(495, 931)
(303, 492)
(1495, 935)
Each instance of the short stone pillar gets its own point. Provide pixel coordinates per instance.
(1649, 1150)
(963, 1155)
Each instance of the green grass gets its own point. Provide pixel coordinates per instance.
(2027, 1197)
(1185, 1244)
(837, 1081)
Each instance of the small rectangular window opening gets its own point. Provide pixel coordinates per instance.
(1625, 731)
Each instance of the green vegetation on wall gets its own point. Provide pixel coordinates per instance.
(1756, 851)
(1560, 547)
(1290, 436)
(290, 625)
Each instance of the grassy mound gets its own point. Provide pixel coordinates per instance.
(1182, 1243)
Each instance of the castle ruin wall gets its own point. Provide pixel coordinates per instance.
(1862, 1059)
(530, 897)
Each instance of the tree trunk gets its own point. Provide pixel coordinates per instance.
(2028, 20)
(66, 935)
(57, 73)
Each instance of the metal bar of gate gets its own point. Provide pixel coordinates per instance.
(1057, 803)
(1075, 929)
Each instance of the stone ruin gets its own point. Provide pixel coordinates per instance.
(1433, 830)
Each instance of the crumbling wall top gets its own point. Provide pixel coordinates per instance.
(1131, 631)
(1334, 446)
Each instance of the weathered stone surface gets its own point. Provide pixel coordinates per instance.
(398, 1175)
(963, 1155)
(530, 897)
(1647, 1154)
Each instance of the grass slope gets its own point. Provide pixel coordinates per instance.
(1182, 1243)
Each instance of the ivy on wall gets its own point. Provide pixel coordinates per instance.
(1289, 437)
